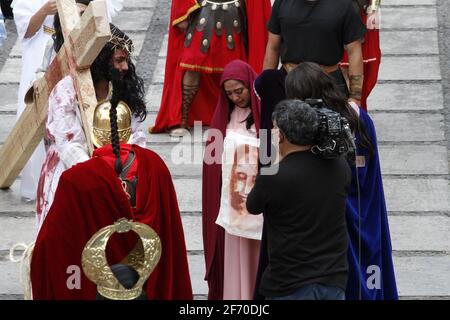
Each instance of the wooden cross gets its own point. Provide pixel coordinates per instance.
(84, 38)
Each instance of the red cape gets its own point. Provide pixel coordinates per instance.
(202, 108)
(89, 197)
(213, 234)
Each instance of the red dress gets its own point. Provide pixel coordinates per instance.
(372, 59)
(89, 197)
(211, 63)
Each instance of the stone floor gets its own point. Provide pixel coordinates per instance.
(409, 109)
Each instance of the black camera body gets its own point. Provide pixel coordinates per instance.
(334, 137)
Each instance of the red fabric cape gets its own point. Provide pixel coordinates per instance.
(202, 108)
(213, 235)
(89, 197)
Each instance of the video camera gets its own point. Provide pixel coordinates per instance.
(334, 137)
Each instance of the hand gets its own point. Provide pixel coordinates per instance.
(183, 25)
(373, 20)
(50, 7)
(358, 102)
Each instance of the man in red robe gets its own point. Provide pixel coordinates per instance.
(205, 36)
(89, 197)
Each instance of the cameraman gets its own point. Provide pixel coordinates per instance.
(304, 210)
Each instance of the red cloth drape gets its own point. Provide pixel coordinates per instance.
(89, 197)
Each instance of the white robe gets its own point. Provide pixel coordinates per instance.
(32, 53)
(67, 142)
(33, 50)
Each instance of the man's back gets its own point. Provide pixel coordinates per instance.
(304, 208)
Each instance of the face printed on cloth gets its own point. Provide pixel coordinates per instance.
(243, 175)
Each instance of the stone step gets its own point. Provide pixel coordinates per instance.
(406, 97)
(413, 159)
(408, 233)
(410, 68)
(22, 229)
(417, 195)
(11, 202)
(408, 17)
(402, 195)
(415, 275)
(183, 160)
(11, 271)
(407, 2)
(409, 42)
(409, 127)
(139, 4)
(423, 276)
(10, 73)
(420, 233)
(9, 97)
(153, 97)
(136, 20)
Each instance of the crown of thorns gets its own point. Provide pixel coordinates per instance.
(119, 42)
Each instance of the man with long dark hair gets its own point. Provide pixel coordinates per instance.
(114, 76)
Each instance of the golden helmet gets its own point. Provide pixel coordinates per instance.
(101, 128)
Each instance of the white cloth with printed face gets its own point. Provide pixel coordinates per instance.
(239, 170)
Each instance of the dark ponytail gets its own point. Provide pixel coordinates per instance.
(117, 92)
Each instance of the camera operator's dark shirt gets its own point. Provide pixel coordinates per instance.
(304, 212)
(315, 31)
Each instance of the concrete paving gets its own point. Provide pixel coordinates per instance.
(409, 110)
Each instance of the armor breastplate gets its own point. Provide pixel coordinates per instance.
(219, 16)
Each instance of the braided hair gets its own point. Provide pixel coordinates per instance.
(115, 140)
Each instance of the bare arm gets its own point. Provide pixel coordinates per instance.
(272, 56)
(355, 70)
(36, 21)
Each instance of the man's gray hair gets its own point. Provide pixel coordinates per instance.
(297, 120)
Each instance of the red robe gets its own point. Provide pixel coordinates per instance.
(89, 197)
(372, 59)
(202, 108)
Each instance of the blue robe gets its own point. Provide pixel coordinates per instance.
(376, 247)
(375, 237)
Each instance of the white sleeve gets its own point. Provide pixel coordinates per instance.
(138, 135)
(113, 6)
(64, 125)
(23, 10)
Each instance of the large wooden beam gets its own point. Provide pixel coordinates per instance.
(84, 39)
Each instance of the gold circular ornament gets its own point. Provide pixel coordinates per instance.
(236, 23)
(225, 6)
(205, 42)
(219, 25)
(202, 21)
(214, 7)
(143, 258)
(230, 38)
